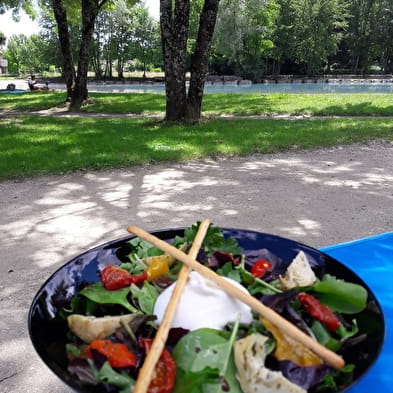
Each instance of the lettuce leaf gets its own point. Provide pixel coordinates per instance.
(341, 296)
(204, 348)
(193, 381)
(98, 294)
(108, 375)
(146, 296)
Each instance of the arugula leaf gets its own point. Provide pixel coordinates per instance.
(108, 375)
(144, 249)
(262, 287)
(336, 378)
(75, 307)
(74, 350)
(193, 381)
(135, 266)
(255, 285)
(240, 274)
(146, 296)
(227, 270)
(208, 347)
(78, 305)
(256, 326)
(341, 296)
(345, 333)
(213, 241)
(98, 294)
(84, 369)
(324, 337)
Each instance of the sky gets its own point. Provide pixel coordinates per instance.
(28, 27)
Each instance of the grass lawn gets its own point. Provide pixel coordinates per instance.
(215, 104)
(32, 145)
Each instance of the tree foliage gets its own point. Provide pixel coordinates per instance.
(318, 30)
(16, 6)
(382, 51)
(145, 43)
(253, 38)
(3, 39)
(243, 34)
(123, 36)
(315, 36)
(26, 54)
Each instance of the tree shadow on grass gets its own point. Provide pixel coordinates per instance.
(360, 109)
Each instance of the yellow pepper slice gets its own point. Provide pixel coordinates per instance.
(158, 267)
(289, 349)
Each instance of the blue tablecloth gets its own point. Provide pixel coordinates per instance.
(372, 259)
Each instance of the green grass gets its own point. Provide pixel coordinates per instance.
(300, 104)
(215, 104)
(254, 104)
(31, 145)
(31, 100)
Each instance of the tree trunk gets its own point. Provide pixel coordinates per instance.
(356, 65)
(90, 10)
(200, 59)
(120, 68)
(65, 45)
(276, 67)
(96, 63)
(174, 19)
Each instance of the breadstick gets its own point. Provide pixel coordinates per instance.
(147, 369)
(285, 326)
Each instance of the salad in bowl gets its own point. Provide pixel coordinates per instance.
(95, 321)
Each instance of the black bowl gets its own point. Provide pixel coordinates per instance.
(48, 335)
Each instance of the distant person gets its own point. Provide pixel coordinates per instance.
(34, 85)
(11, 87)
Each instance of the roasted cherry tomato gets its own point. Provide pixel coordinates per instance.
(118, 355)
(260, 267)
(319, 311)
(164, 375)
(113, 278)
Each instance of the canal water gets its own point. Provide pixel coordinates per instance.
(383, 86)
(258, 88)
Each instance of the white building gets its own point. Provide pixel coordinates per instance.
(3, 65)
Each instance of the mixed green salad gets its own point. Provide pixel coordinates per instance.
(113, 322)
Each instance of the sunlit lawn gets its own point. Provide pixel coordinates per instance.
(216, 104)
(32, 145)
